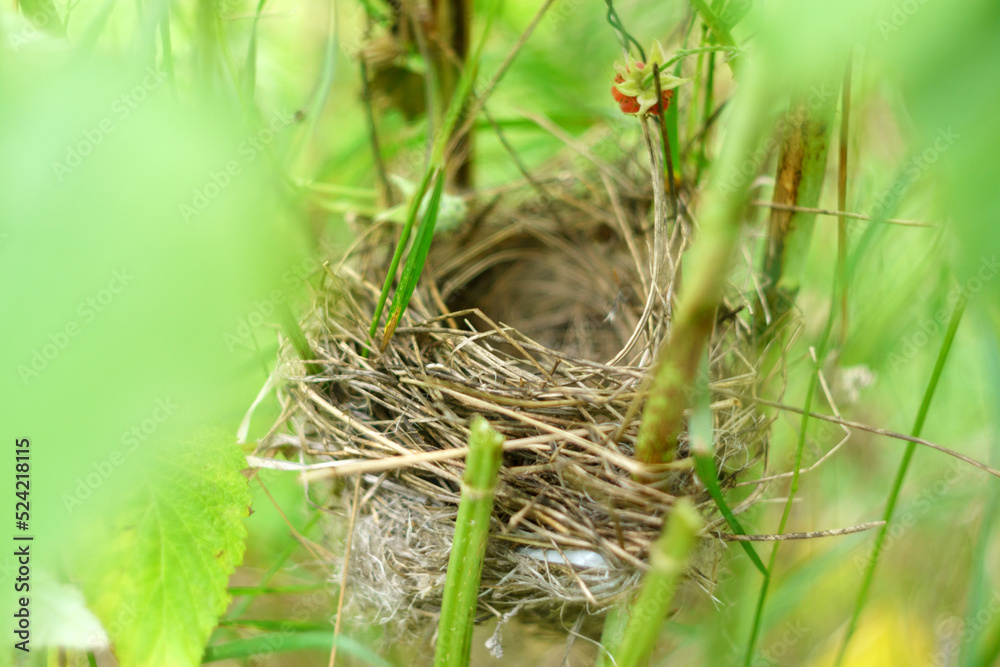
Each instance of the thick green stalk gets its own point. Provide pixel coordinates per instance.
(677, 360)
(668, 560)
(472, 527)
(897, 484)
(612, 634)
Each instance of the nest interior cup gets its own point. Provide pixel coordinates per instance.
(544, 319)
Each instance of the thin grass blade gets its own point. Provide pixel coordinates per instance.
(897, 484)
(703, 450)
(414, 263)
(404, 237)
(316, 640)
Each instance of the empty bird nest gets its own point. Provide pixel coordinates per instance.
(544, 317)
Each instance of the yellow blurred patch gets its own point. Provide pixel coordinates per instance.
(885, 637)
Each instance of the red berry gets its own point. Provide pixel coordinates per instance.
(628, 105)
(614, 89)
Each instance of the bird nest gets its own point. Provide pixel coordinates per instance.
(544, 318)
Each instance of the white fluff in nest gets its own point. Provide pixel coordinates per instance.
(581, 558)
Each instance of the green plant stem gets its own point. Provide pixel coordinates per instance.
(897, 484)
(982, 646)
(706, 114)
(624, 36)
(989, 647)
(612, 634)
(677, 361)
(680, 54)
(323, 87)
(472, 527)
(668, 160)
(668, 560)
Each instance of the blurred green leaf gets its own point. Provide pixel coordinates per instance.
(159, 583)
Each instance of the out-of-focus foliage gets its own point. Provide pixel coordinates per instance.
(147, 230)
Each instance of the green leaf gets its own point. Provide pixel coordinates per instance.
(160, 571)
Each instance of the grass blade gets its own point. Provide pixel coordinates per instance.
(897, 484)
(821, 350)
(265, 644)
(439, 156)
(668, 560)
(88, 39)
(719, 30)
(472, 527)
(414, 263)
(702, 448)
(297, 337)
(404, 237)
